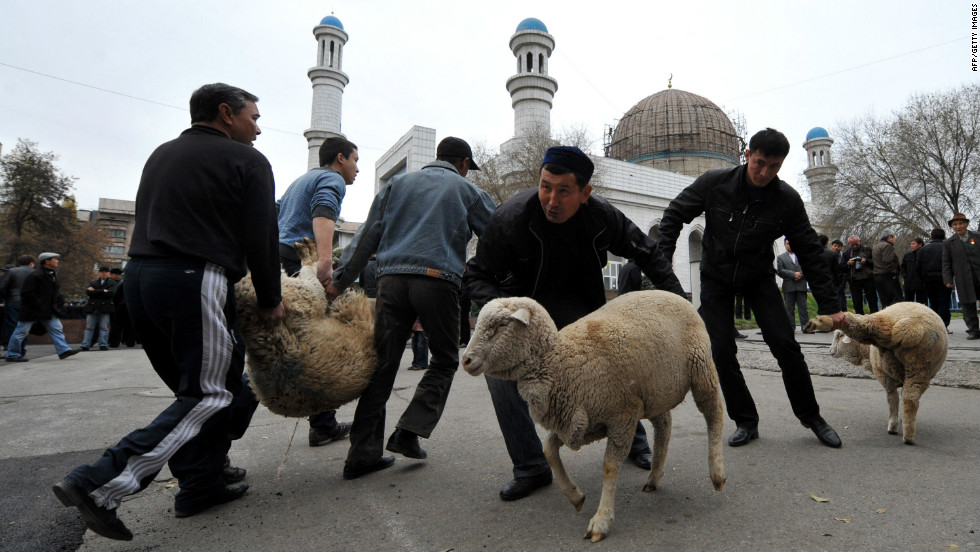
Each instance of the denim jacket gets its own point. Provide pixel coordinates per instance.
(419, 223)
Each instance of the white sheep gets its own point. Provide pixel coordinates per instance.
(903, 345)
(321, 356)
(636, 357)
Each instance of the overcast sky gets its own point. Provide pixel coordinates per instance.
(103, 83)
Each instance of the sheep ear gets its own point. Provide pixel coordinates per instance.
(522, 315)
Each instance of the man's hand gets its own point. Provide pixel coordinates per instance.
(797, 275)
(324, 271)
(840, 320)
(332, 292)
(273, 315)
(950, 286)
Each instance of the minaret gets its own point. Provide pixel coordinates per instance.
(531, 89)
(821, 176)
(328, 86)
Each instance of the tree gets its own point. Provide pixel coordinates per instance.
(912, 170)
(517, 165)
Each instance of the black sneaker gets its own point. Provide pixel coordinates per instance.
(103, 348)
(68, 353)
(100, 520)
(16, 359)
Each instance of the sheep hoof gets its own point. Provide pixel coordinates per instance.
(649, 488)
(909, 441)
(578, 504)
(892, 432)
(594, 537)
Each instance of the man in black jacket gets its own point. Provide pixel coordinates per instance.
(912, 284)
(931, 267)
(205, 215)
(10, 286)
(41, 303)
(100, 306)
(550, 243)
(747, 208)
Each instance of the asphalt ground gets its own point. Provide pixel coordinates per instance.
(785, 491)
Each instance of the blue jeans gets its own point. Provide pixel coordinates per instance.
(91, 321)
(16, 346)
(11, 315)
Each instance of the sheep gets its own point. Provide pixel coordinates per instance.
(908, 346)
(636, 357)
(321, 356)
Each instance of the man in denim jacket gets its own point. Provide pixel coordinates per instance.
(419, 225)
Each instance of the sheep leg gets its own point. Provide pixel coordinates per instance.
(910, 406)
(707, 397)
(565, 483)
(662, 425)
(878, 358)
(617, 449)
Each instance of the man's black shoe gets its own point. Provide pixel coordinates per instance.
(353, 471)
(17, 359)
(973, 336)
(103, 348)
(227, 494)
(740, 335)
(319, 437)
(68, 353)
(742, 436)
(406, 443)
(85, 348)
(520, 487)
(642, 460)
(823, 431)
(100, 520)
(231, 474)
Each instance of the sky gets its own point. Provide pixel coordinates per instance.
(103, 83)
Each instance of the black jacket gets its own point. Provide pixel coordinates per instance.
(40, 299)
(739, 231)
(100, 296)
(931, 262)
(911, 272)
(509, 255)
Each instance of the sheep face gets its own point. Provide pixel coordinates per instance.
(846, 348)
(509, 337)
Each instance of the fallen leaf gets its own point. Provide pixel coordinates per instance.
(818, 498)
(880, 511)
(845, 520)
(953, 547)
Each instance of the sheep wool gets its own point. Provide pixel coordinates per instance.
(321, 356)
(636, 357)
(904, 345)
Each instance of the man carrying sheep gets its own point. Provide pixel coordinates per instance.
(747, 208)
(550, 243)
(419, 225)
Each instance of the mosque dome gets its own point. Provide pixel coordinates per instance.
(817, 132)
(531, 24)
(332, 21)
(676, 131)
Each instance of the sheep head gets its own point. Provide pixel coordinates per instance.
(846, 348)
(512, 335)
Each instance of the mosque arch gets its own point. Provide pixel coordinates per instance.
(530, 62)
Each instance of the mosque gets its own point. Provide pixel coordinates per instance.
(656, 150)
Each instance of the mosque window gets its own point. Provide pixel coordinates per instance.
(530, 62)
(822, 162)
(540, 63)
(330, 59)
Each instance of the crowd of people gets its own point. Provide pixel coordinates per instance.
(206, 216)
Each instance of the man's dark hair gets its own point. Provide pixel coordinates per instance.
(769, 142)
(452, 160)
(332, 146)
(580, 180)
(104, 269)
(937, 234)
(206, 99)
(24, 260)
(837, 242)
(823, 239)
(918, 241)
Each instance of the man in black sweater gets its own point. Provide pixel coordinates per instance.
(205, 215)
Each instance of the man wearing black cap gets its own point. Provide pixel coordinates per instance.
(550, 243)
(746, 209)
(98, 309)
(419, 225)
(961, 266)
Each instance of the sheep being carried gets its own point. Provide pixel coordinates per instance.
(322, 355)
(636, 357)
(903, 345)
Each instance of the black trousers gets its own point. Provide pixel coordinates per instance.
(717, 300)
(889, 290)
(939, 298)
(401, 299)
(860, 289)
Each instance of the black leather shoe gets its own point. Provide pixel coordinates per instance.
(319, 437)
(229, 493)
(742, 436)
(100, 520)
(68, 353)
(520, 487)
(353, 471)
(406, 443)
(642, 460)
(17, 359)
(823, 431)
(231, 474)
(103, 348)
(973, 336)
(740, 335)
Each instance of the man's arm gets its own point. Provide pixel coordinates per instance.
(785, 267)
(261, 240)
(362, 246)
(805, 243)
(323, 229)
(682, 210)
(630, 242)
(947, 264)
(484, 270)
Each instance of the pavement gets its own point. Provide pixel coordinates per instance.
(785, 491)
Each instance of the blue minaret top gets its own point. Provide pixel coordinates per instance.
(332, 21)
(531, 24)
(817, 132)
